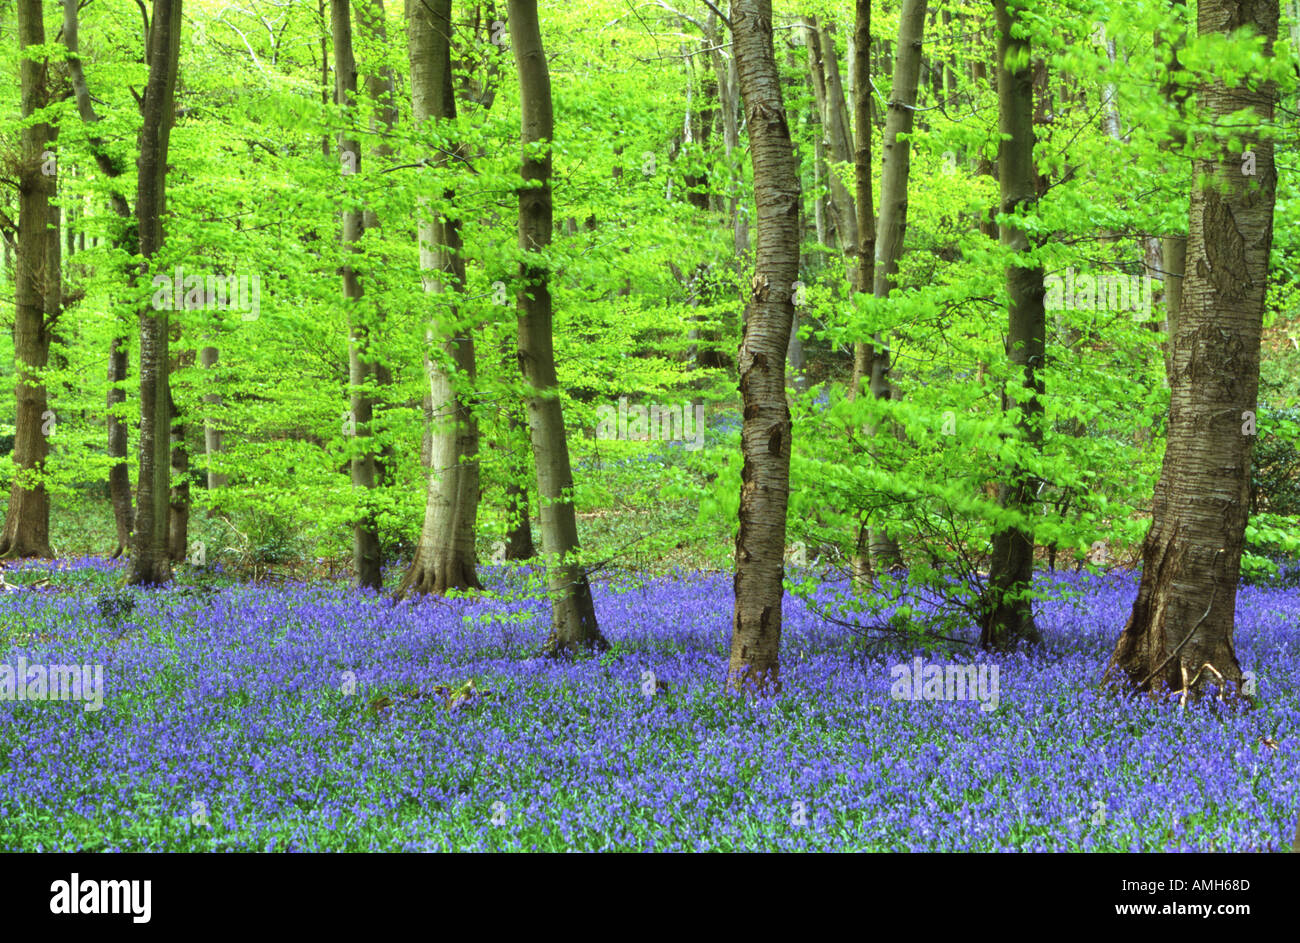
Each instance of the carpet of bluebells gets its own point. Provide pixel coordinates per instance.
(315, 717)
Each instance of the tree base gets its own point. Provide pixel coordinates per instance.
(437, 578)
(17, 549)
(150, 572)
(555, 648)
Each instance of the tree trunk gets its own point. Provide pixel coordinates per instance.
(444, 558)
(894, 176)
(1008, 617)
(212, 444)
(178, 517)
(864, 355)
(765, 434)
(37, 299)
(1173, 247)
(519, 531)
(1180, 633)
(366, 560)
(573, 614)
(119, 474)
(729, 105)
(381, 90)
(829, 91)
(1173, 261)
(149, 560)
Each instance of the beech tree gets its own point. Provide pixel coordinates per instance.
(37, 301)
(362, 373)
(765, 430)
(444, 558)
(866, 356)
(573, 614)
(1008, 617)
(895, 170)
(1179, 635)
(150, 559)
(123, 237)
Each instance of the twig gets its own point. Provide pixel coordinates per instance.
(1175, 652)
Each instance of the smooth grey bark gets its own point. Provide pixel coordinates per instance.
(891, 228)
(729, 106)
(444, 558)
(37, 302)
(1173, 246)
(212, 432)
(366, 562)
(573, 614)
(1179, 635)
(829, 91)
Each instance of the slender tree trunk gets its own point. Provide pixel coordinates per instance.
(704, 353)
(835, 123)
(212, 444)
(1173, 260)
(896, 162)
(178, 517)
(864, 355)
(119, 474)
(366, 558)
(821, 206)
(381, 90)
(573, 614)
(150, 562)
(444, 558)
(519, 531)
(1008, 614)
(894, 176)
(765, 433)
(729, 107)
(1180, 633)
(37, 299)
(729, 104)
(1173, 247)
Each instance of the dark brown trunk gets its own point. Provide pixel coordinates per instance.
(150, 563)
(864, 354)
(119, 474)
(1008, 617)
(178, 517)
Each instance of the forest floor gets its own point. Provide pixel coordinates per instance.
(309, 716)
